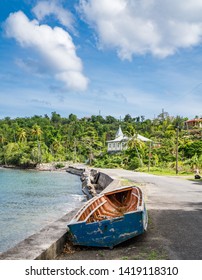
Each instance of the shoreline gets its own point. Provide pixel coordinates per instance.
(49, 242)
(52, 166)
(45, 244)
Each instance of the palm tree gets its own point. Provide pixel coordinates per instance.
(2, 139)
(22, 135)
(37, 132)
(3, 146)
(135, 143)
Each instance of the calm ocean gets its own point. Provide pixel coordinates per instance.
(30, 200)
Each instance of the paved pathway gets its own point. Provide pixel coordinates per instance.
(175, 205)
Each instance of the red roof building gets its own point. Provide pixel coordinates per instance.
(195, 123)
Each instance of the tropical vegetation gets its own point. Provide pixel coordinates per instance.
(25, 142)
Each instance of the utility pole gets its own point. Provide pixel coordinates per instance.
(177, 140)
(149, 163)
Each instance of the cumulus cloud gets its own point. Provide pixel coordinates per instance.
(46, 8)
(137, 27)
(54, 45)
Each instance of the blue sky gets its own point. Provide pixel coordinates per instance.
(112, 57)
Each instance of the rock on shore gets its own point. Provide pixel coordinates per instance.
(52, 166)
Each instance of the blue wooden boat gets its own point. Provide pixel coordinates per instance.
(110, 218)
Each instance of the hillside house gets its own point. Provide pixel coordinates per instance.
(194, 123)
(120, 142)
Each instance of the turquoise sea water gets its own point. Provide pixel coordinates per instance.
(30, 200)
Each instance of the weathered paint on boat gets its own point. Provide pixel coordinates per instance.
(127, 220)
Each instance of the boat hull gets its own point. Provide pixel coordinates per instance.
(111, 232)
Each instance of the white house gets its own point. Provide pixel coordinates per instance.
(120, 141)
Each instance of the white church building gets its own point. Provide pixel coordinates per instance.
(120, 142)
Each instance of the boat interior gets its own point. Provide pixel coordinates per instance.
(111, 205)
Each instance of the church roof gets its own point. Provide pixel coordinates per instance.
(119, 132)
(120, 137)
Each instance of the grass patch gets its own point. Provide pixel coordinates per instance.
(125, 258)
(126, 182)
(102, 254)
(155, 255)
(150, 255)
(164, 171)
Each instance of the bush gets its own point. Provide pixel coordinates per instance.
(59, 165)
(134, 163)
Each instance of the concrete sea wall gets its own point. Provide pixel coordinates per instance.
(50, 241)
(93, 181)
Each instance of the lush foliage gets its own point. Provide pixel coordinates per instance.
(27, 141)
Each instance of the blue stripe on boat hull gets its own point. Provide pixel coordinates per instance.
(108, 233)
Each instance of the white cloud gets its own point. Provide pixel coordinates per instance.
(46, 8)
(54, 45)
(158, 27)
